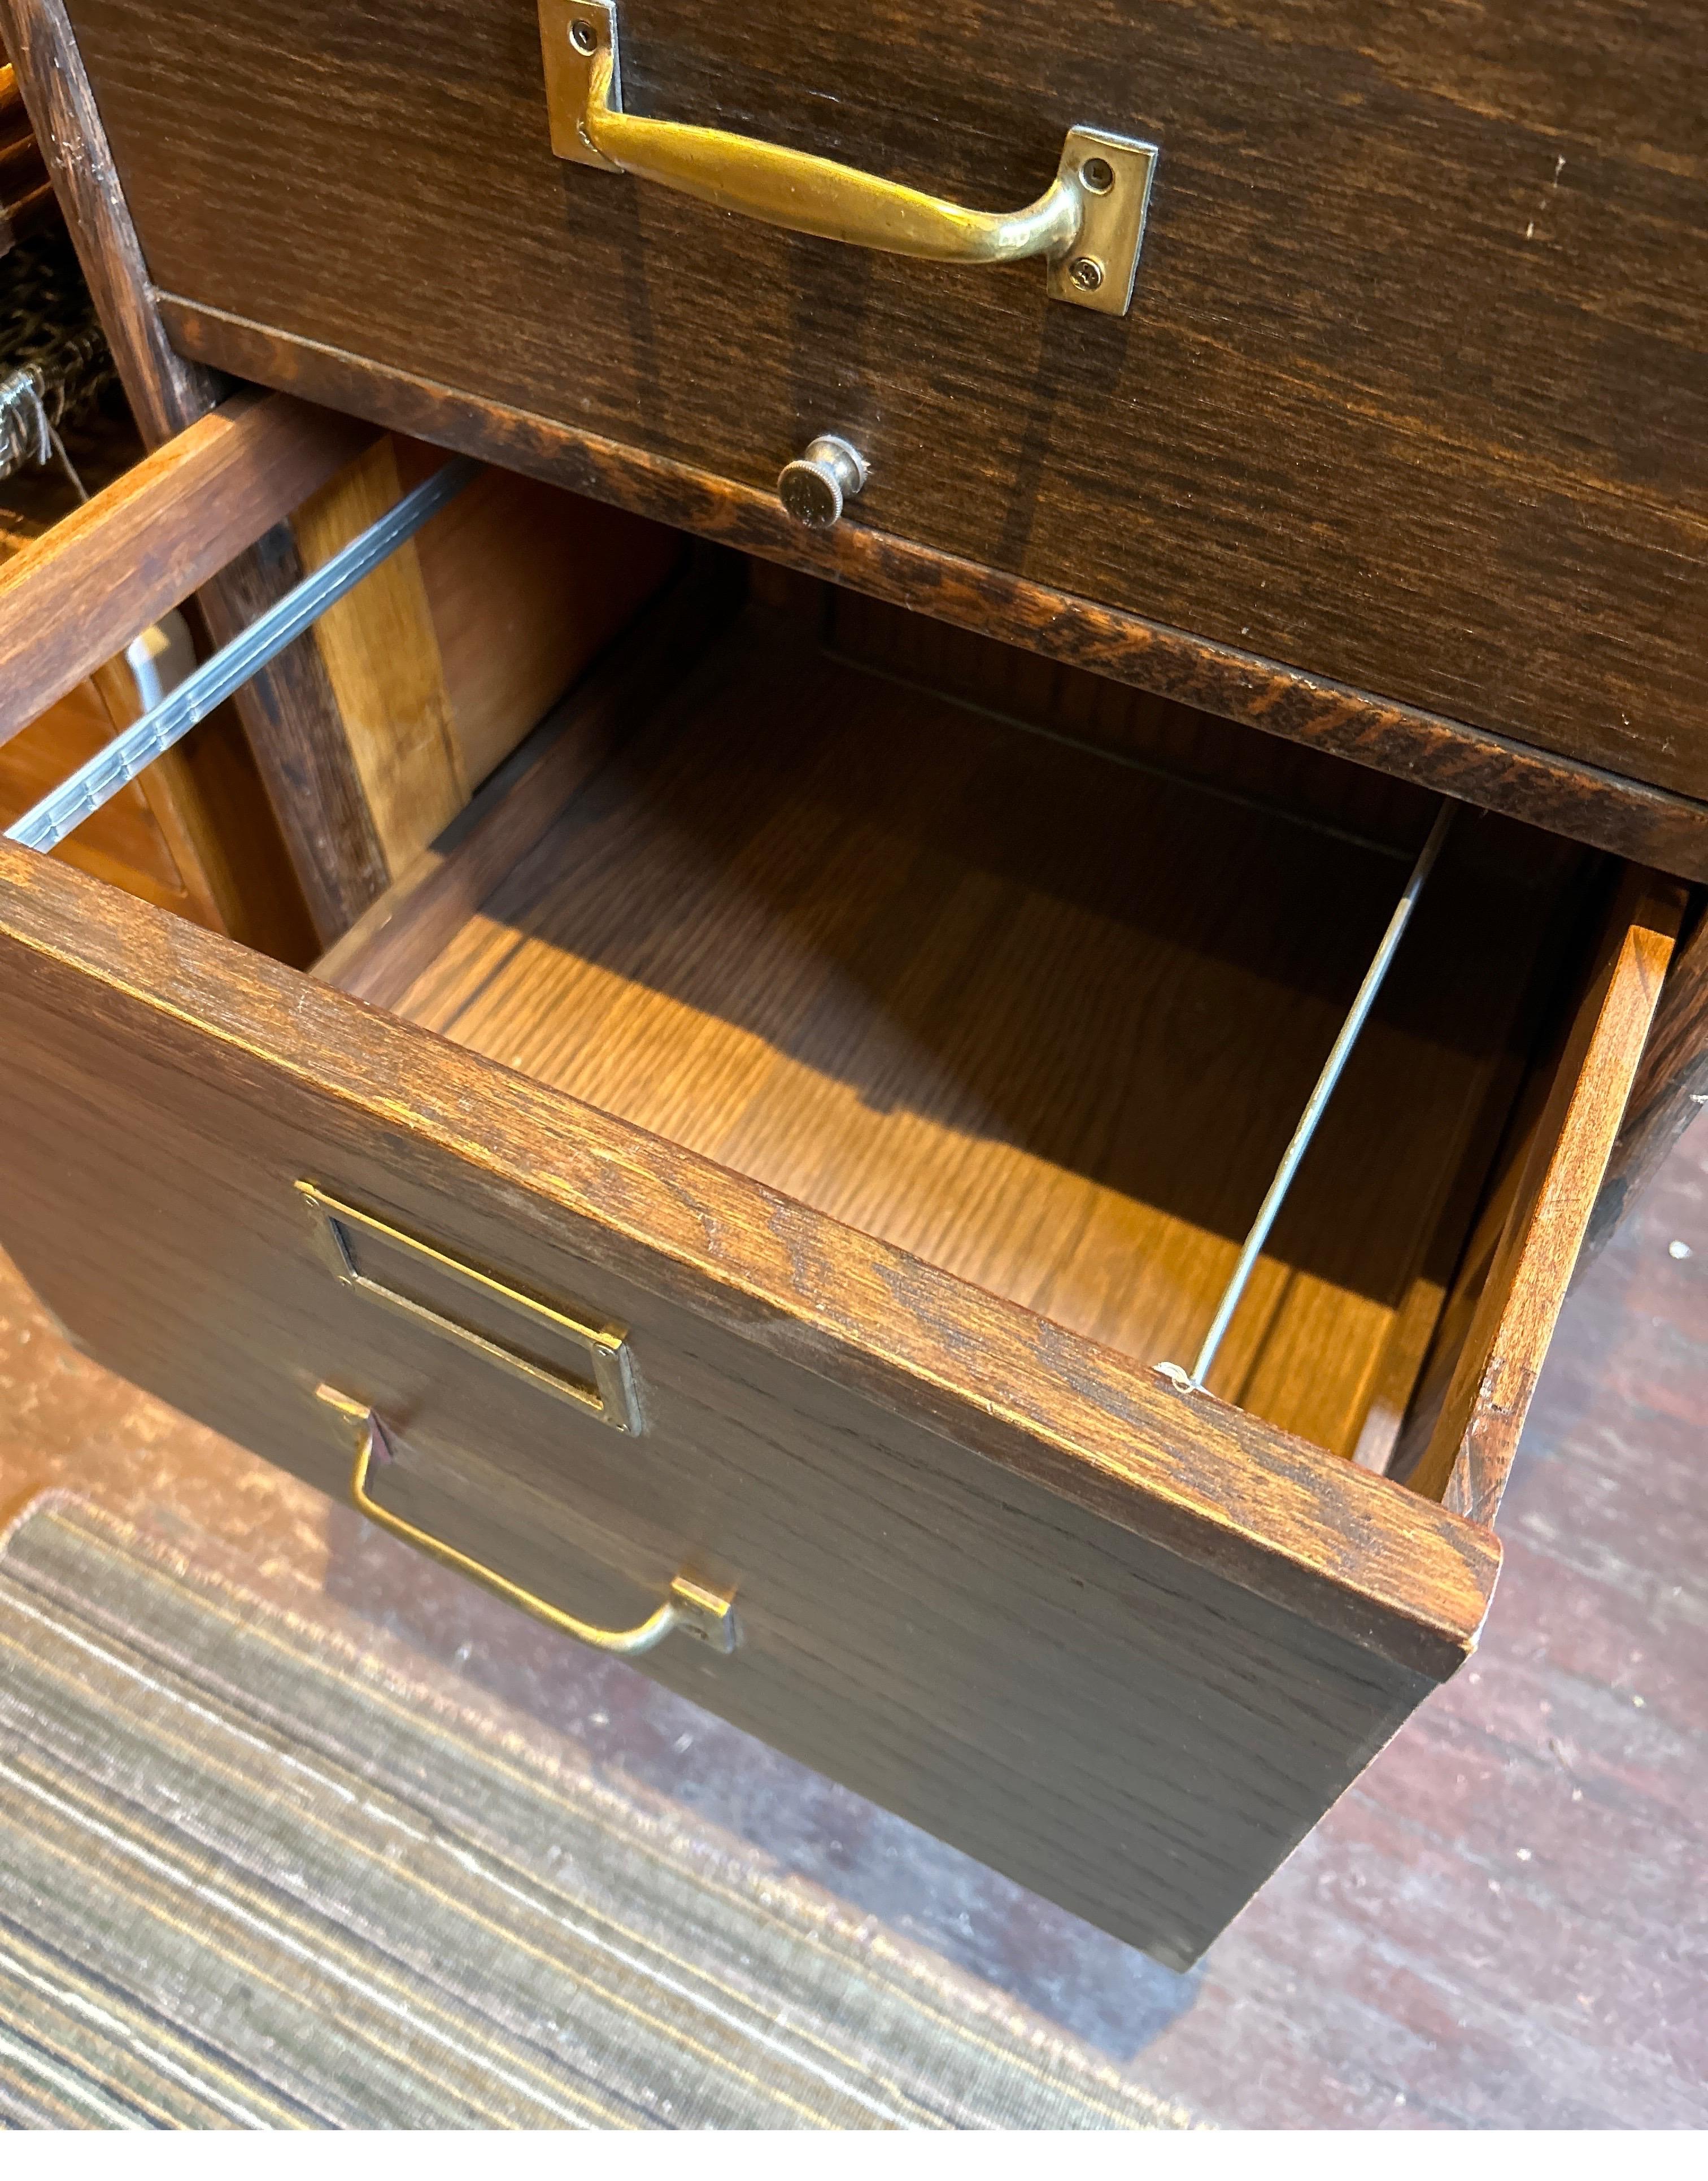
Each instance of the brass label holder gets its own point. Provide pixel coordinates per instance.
(608, 1394)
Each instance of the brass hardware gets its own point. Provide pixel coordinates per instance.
(814, 485)
(1092, 213)
(691, 1608)
(608, 1394)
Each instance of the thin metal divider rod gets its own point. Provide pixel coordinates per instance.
(1332, 1067)
(84, 792)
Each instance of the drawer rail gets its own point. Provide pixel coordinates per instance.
(79, 797)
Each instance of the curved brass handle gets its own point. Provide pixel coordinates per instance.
(690, 1608)
(1089, 224)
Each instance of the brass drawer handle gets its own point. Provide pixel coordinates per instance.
(1089, 224)
(690, 1608)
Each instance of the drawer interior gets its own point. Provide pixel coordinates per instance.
(1041, 1012)
(838, 1070)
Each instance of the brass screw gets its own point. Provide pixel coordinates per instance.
(583, 37)
(1097, 176)
(1086, 273)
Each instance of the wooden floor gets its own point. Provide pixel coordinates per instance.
(1503, 1925)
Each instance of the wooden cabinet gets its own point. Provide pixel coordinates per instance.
(774, 1147)
(1410, 400)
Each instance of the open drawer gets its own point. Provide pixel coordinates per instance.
(741, 1182)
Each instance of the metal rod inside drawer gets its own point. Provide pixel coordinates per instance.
(80, 796)
(1356, 1015)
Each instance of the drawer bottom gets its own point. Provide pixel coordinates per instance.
(1040, 1016)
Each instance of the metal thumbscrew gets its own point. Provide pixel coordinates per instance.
(814, 485)
(583, 37)
(1086, 273)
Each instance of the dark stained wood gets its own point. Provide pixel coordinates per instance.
(1411, 396)
(1647, 823)
(412, 923)
(166, 394)
(288, 710)
(1542, 1216)
(1567, 1992)
(76, 596)
(1670, 1091)
(1220, 1487)
(965, 1541)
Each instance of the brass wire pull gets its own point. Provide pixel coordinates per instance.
(691, 1608)
(1088, 225)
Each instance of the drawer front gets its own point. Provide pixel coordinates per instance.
(1411, 394)
(1125, 1647)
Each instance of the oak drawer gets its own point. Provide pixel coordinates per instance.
(1411, 396)
(792, 1114)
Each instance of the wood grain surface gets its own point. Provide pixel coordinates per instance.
(194, 832)
(525, 584)
(1502, 1914)
(166, 394)
(1589, 803)
(1045, 1021)
(1671, 1087)
(1126, 1645)
(1218, 1486)
(382, 656)
(454, 648)
(1411, 397)
(26, 195)
(124, 843)
(288, 710)
(74, 597)
(1508, 1340)
(413, 922)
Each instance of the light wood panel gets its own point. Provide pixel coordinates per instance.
(1536, 1223)
(194, 834)
(74, 597)
(123, 843)
(453, 650)
(525, 584)
(382, 656)
(1671, 1086)
(1042, 1019)
(411, 924)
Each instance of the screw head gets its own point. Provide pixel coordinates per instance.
(1086, 273)
(1097, 176)
(583, 36)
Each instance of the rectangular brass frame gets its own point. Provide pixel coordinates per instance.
(610, 1398)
